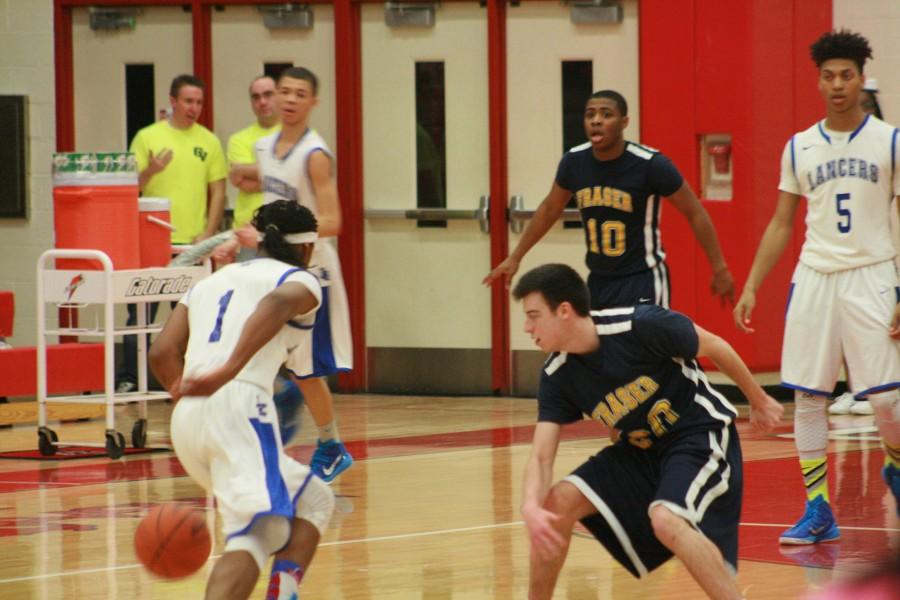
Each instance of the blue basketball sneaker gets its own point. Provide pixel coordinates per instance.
(330, 460)
(891, 476)
(816, 525)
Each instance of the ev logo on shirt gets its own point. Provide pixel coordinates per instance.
(200, 153)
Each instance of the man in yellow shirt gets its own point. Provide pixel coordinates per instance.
(240, 145)
(183, 161)
(180, 160)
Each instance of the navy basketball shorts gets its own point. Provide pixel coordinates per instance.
(698, 477)
(646, 287)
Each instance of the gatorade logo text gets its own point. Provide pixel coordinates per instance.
(151, 286)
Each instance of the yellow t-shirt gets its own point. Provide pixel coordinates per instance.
(240, 151)
(197, 161)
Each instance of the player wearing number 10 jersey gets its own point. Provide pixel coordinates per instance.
(844, 297)
(618, 186)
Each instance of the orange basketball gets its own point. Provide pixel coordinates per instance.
(172, 540)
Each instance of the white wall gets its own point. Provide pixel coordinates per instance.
(26, 68)
(878, 20)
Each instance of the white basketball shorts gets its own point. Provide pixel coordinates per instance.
(844, 314)
(230, 445)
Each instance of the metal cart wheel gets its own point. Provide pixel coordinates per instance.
(139, 434)
(47, 439)
(115, 444)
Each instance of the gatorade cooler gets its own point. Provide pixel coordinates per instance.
(95, 207)
(156, 232)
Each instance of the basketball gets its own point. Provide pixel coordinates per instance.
(172, 540)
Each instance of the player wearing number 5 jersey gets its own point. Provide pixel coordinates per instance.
(618, 186)
(844, 293)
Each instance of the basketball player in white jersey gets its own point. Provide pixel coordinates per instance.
(844, 292)
(219, 353)
(296, 164)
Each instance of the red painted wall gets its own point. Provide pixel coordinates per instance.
(741, 68)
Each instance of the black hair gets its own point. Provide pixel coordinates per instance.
(278, 218)
(876, 107)
(615, 96)
(841, 44)
(557, 283)
(182, 81)
(301, 73)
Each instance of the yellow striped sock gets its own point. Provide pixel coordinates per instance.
(892, 455)
(815, 477)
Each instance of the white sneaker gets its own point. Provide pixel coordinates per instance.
(862, 407)
(842, 404)
(126, 387)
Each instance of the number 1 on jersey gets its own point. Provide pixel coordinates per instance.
(843, 226)
(216, 333)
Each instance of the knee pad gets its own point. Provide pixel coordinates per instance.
(316, 503)
(266, 536)
(810, 425)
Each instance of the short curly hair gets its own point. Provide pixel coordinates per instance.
(841, 44)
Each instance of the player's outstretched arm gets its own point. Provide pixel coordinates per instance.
(771, 247)
(545, 539)
(273, 311)
(166, 355)
(547, 213)
(686, 202)
(245, 177)
(765, 411)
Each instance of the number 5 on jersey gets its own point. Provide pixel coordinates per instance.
(843, 212)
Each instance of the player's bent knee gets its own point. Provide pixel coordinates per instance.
(665, 523)
(265, 537)
(316, 504)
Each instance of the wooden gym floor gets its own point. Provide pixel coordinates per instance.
(429, 510)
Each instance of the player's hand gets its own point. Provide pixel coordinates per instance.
(175, 390)
(206, 384)
(895, 323)
(743, 310)
(722, 285)
(765, 414)
(504, 270)
(157, 163)
(247, 236)
(545, 539)
(224, 254)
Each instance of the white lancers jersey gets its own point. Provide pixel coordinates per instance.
(219, 305)
(288, 179)
(848, 179)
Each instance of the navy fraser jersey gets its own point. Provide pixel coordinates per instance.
(619, 201)
(643, 379)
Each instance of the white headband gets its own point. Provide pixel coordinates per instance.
(307, 237)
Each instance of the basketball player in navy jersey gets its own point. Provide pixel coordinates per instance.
(619, 186)
(671, 483)
(844, 297)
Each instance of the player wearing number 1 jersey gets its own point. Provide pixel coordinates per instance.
(219, 353)
(844, 296)
(618, 186)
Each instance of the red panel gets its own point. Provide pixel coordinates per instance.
(201, 24)
(348, 92)
(65, 90)
(7, 313)
(739, 68)
(71, 368)
(500, 342)
(668, 123)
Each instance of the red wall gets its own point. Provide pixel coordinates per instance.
(742, 68)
